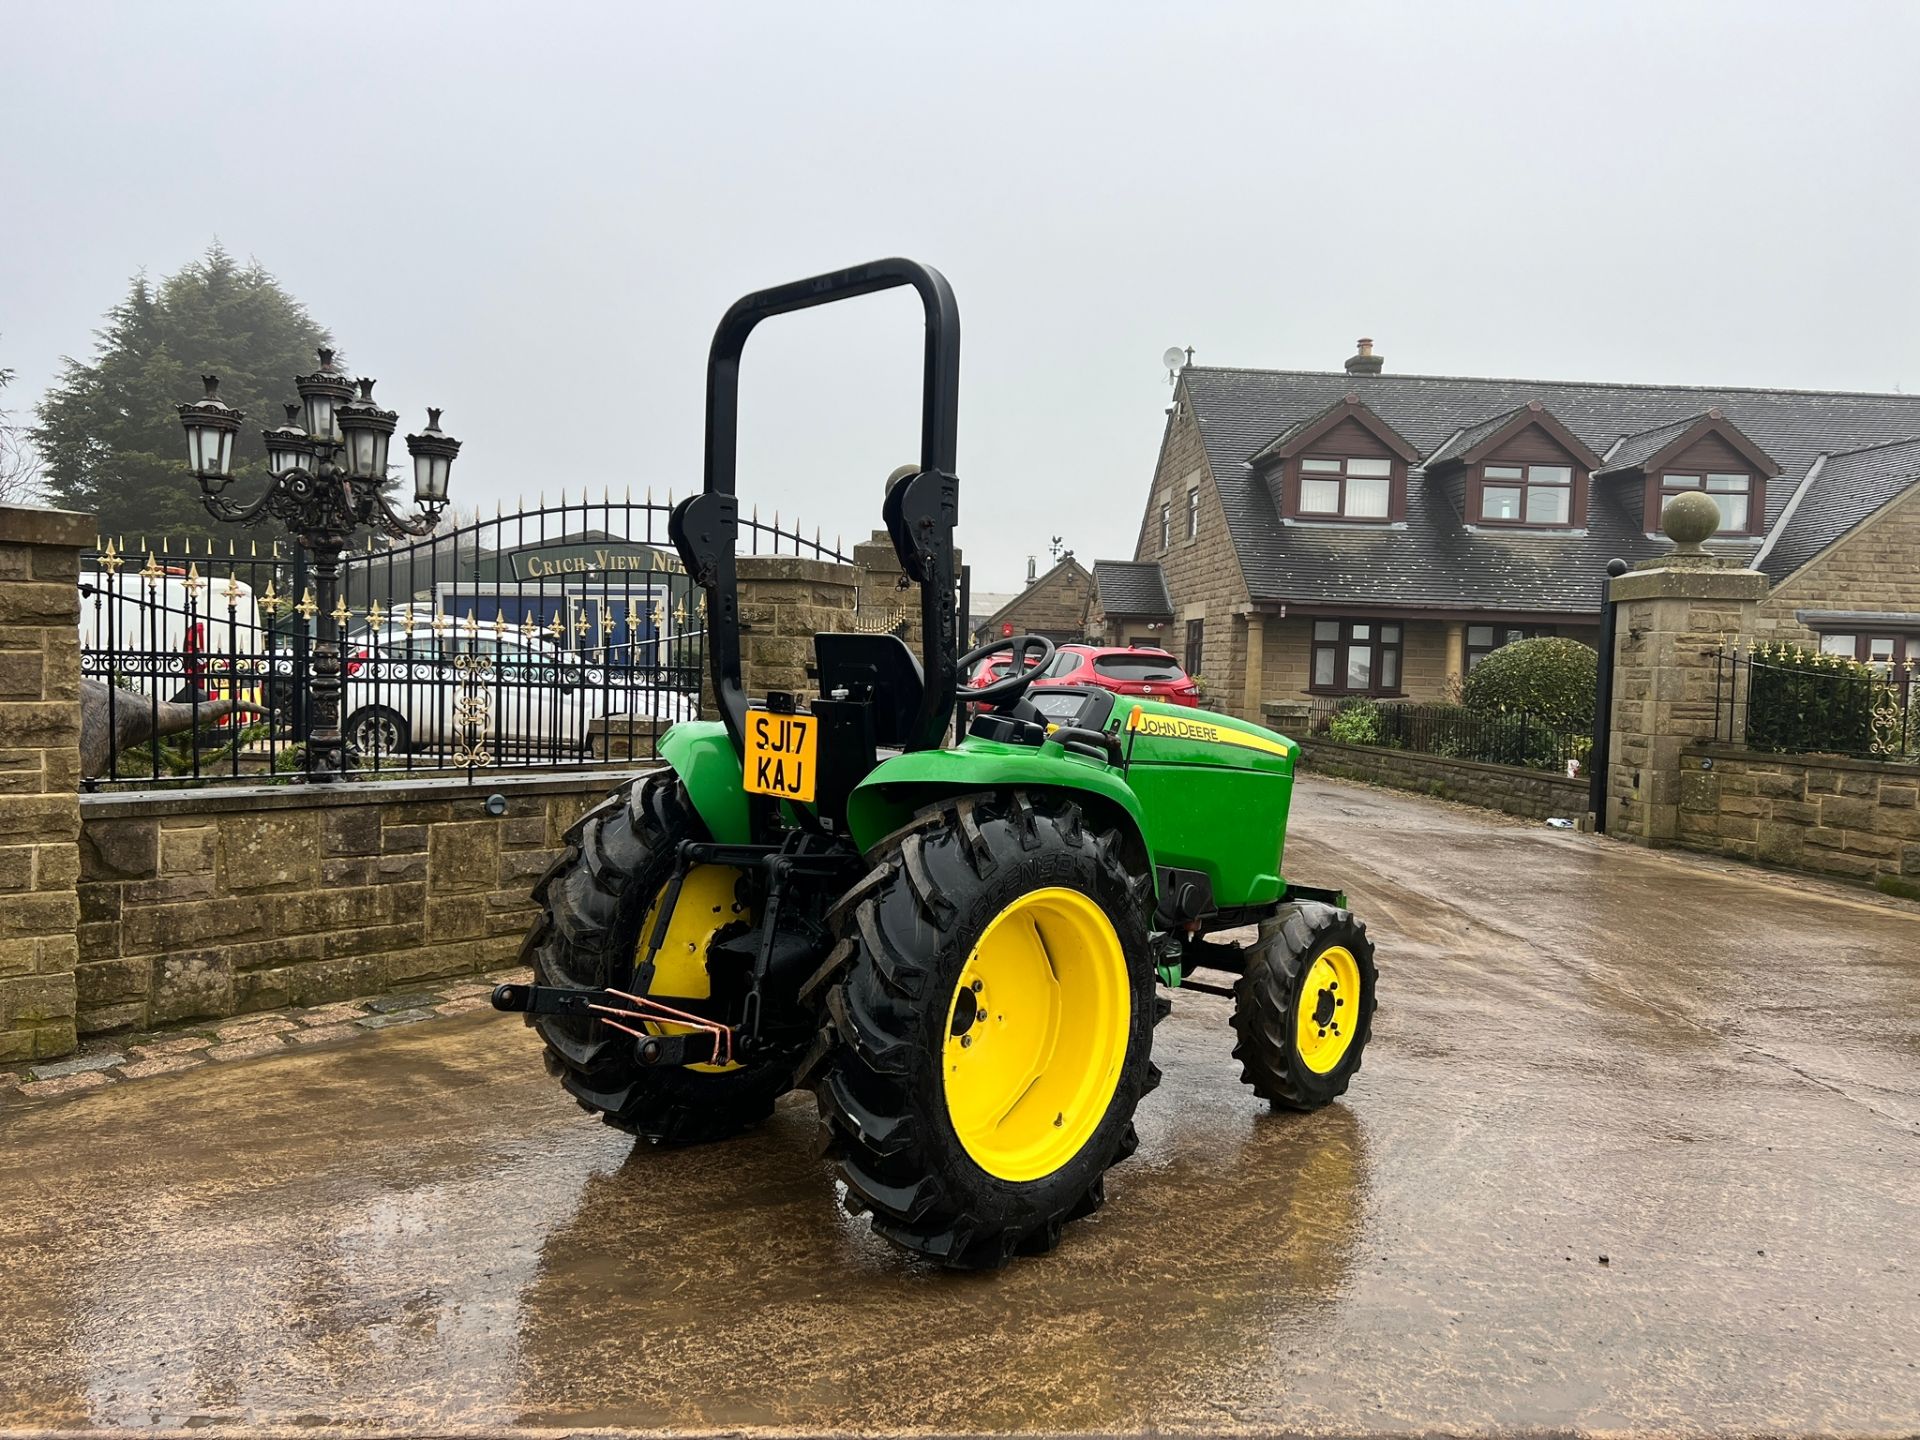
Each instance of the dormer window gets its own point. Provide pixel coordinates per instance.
(1351, 487)
(1526, 494)
(1343, 464)
(1705, 452)
(1521, 468)
(1732, 493)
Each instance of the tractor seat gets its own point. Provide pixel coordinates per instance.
(879, 669)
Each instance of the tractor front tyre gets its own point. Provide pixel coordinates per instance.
(1303, 1009)
(990, 1017)
(599, 906)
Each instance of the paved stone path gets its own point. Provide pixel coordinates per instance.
(115, 1060)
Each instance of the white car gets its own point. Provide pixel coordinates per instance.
(170, 634)
(405, 694)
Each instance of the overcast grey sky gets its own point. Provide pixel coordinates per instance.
(533, 215)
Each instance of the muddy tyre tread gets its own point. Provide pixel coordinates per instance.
(593, 901)
(901, 944)
(1263, 1010)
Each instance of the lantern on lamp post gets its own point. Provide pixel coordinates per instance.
(432, 454)
(327, 476)
(321, 394)
(211, 426)
(288, 447)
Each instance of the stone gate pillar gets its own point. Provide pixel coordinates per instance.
(1675, 615)
(785, 600)
(39, 777)
(888, 600)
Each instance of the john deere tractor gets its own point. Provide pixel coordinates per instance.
(953, 941)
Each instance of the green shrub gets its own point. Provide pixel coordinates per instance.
(1458, 733)
(1357, 724)
(1551, 677)
(1802, 702)
(174, 755)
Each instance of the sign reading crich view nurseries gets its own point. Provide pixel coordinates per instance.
(561, 561)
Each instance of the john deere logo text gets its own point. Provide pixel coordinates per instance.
(1175, 729)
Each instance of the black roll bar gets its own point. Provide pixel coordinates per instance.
(920, 511)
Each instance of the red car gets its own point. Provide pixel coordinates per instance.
(985, 672)
(1131, 671)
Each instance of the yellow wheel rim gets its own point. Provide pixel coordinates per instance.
(1036, 1034)
(1328, 1009)
(708, 900)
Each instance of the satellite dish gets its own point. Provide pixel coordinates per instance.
(1174, 358)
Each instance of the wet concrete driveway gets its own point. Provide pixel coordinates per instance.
(1709, 1077)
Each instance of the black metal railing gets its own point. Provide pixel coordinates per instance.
(565, 634)
(1454, 732)
(1788, 700)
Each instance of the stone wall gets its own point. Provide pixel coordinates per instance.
(1854, 818)
(1151, 632)
(218, 901)
(784, 602)
(1534, 794)
(1287, 659)
(886, 604)
(1055, 605)
(1203, 574)
(39, 776)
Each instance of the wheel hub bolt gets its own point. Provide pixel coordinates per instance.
(966, 1042)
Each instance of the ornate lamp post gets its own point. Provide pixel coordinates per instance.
(328, 464)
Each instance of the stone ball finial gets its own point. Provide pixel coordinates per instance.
(1688, 519)
(901, 472)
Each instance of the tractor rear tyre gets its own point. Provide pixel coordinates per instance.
(990, 1017)
(598, 905)
(1303, 1009)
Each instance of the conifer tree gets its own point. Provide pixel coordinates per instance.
(109, 437)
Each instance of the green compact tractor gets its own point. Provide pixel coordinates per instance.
(954, 946)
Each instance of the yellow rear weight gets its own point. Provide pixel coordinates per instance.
(707, 902)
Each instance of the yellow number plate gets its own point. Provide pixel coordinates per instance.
(780, 754)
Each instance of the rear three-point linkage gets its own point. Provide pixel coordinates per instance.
(707, 1041)
(727, 1024)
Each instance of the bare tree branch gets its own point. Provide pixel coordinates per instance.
(19, 461)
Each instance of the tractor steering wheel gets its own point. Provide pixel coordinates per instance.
(1024, 674)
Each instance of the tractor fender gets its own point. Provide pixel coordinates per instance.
(899, 788)
(703, 756)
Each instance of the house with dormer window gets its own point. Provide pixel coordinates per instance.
(1359, 533)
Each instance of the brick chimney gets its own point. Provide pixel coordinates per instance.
(1366, 362)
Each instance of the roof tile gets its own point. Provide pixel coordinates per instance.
(1850, 487)
(1132, 587)
(1436, 560)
